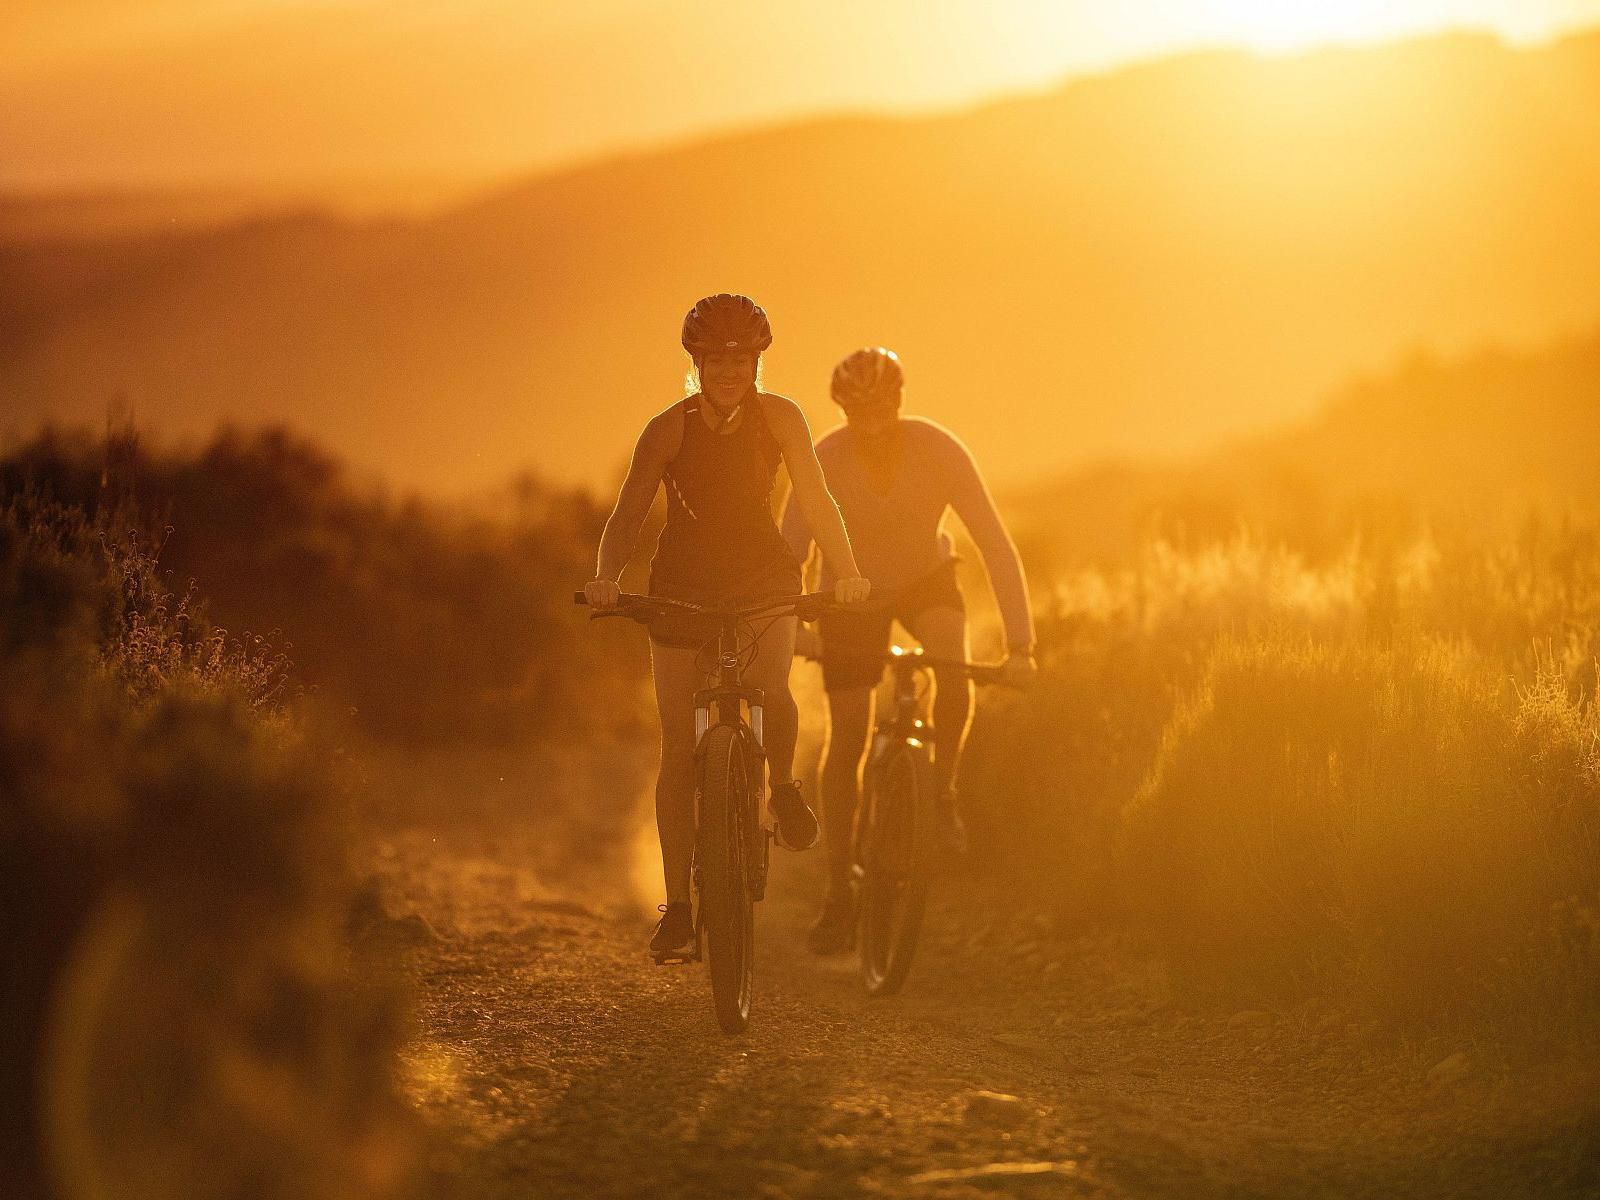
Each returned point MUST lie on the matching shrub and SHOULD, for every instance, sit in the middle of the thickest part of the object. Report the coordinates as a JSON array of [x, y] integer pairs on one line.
[[1372, 821], [180, 1015], [438, 642], [1047, 776], [424, 625]]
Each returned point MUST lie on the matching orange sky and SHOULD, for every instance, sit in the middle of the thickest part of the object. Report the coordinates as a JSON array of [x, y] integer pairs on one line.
[[112, 92]]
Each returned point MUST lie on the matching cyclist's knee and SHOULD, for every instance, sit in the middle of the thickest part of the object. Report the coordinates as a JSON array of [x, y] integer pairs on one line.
[[847, 741], [776, 699], [842, 759], [781, 700], [849, 714]]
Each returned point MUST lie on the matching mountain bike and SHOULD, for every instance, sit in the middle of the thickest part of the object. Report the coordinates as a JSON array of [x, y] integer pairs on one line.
[[732, 845], [894, 840]]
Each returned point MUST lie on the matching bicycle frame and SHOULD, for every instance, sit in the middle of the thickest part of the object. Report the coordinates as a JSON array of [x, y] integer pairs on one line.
[[728, 694], [890, 848], [729, 691], [907, 723], [723, 705]]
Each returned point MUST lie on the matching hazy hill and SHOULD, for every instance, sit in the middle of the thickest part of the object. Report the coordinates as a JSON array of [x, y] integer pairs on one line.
[[105, 214], [1485, 440], [1142, 262]]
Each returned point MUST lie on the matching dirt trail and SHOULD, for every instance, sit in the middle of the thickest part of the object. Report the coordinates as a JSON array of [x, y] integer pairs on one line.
[[551, 1059]]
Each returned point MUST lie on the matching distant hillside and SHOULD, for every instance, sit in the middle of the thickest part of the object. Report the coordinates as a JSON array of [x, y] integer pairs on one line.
[[54, 216], [1145, 262], [1490, 430], [91, 216], [1490, 437]]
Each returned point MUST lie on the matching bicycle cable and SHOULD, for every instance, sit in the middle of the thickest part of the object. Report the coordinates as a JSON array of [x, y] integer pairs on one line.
[[746, 635], [747, 652], [754, 645]]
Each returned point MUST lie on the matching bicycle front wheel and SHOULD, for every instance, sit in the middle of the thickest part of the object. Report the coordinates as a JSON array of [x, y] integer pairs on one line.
[[895, 848], [726, 838]]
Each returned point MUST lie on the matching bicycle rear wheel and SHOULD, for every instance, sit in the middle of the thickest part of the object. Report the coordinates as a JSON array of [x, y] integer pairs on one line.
[[725, 844], [895, 848]]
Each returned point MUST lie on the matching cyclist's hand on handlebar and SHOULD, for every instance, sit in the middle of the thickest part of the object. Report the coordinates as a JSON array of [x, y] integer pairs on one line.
[[851, 591], [602, 594], [1019, 669]]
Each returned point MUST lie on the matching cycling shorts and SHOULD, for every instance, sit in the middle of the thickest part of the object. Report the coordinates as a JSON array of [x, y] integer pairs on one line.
[[854, 641]]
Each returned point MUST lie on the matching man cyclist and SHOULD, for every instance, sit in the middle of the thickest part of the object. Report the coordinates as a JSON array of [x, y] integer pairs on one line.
[[895, 478]]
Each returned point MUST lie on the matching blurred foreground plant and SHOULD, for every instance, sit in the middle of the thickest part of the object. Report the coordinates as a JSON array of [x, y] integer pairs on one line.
[[181, 1010]]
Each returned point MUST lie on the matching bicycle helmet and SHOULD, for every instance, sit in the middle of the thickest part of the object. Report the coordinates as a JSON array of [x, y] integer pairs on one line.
[[869, 376], [726, 322]]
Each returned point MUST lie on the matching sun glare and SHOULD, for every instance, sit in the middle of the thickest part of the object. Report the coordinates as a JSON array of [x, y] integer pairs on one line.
[[1284, 25], [1292, 24]]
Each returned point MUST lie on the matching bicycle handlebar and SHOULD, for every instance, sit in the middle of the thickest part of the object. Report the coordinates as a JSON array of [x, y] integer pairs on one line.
[[807, 605]]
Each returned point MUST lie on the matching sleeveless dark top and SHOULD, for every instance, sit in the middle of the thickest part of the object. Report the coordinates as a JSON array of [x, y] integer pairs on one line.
[[720, 539]]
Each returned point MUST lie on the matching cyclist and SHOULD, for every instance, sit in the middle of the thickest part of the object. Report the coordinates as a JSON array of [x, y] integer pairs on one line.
[[717, 452], [895, 477]]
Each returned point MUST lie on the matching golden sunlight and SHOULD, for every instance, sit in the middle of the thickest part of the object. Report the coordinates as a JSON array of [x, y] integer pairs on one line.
[[1290, 24], [1186, 411], [1285, 25]]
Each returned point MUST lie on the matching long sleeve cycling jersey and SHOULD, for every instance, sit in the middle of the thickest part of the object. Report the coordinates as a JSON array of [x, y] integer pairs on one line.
[[896, 526]]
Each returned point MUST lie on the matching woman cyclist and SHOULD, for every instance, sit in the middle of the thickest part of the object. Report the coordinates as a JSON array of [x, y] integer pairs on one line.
[[717, 452]]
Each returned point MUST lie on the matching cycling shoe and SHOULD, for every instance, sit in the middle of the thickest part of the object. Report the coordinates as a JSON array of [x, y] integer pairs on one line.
[[797, 824], [675, 930]]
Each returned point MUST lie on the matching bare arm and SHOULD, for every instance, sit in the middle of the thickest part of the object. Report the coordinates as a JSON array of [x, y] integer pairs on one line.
[[795, 530], [975, 506], [798, 535], [810, 496], [657, 444]]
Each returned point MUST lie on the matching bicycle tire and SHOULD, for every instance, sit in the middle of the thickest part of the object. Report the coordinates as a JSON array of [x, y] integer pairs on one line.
[[725, 841], [895, 848]]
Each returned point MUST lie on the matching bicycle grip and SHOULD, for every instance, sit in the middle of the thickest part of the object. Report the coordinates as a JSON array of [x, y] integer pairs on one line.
[[579, 598]]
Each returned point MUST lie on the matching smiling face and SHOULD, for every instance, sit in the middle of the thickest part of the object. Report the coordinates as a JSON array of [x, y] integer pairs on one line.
[[727, 377]]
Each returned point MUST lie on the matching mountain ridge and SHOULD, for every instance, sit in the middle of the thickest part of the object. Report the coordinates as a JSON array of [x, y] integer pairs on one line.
[[1150, 259]]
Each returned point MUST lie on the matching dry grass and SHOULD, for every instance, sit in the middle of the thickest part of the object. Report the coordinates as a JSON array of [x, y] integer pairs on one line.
[[1376, 777]]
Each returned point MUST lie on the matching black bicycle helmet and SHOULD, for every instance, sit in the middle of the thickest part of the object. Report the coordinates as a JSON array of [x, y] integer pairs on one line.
[[868, 376], [726, 322]]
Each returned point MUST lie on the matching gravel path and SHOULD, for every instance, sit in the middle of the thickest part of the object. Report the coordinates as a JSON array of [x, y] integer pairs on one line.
[[551, 1059]]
